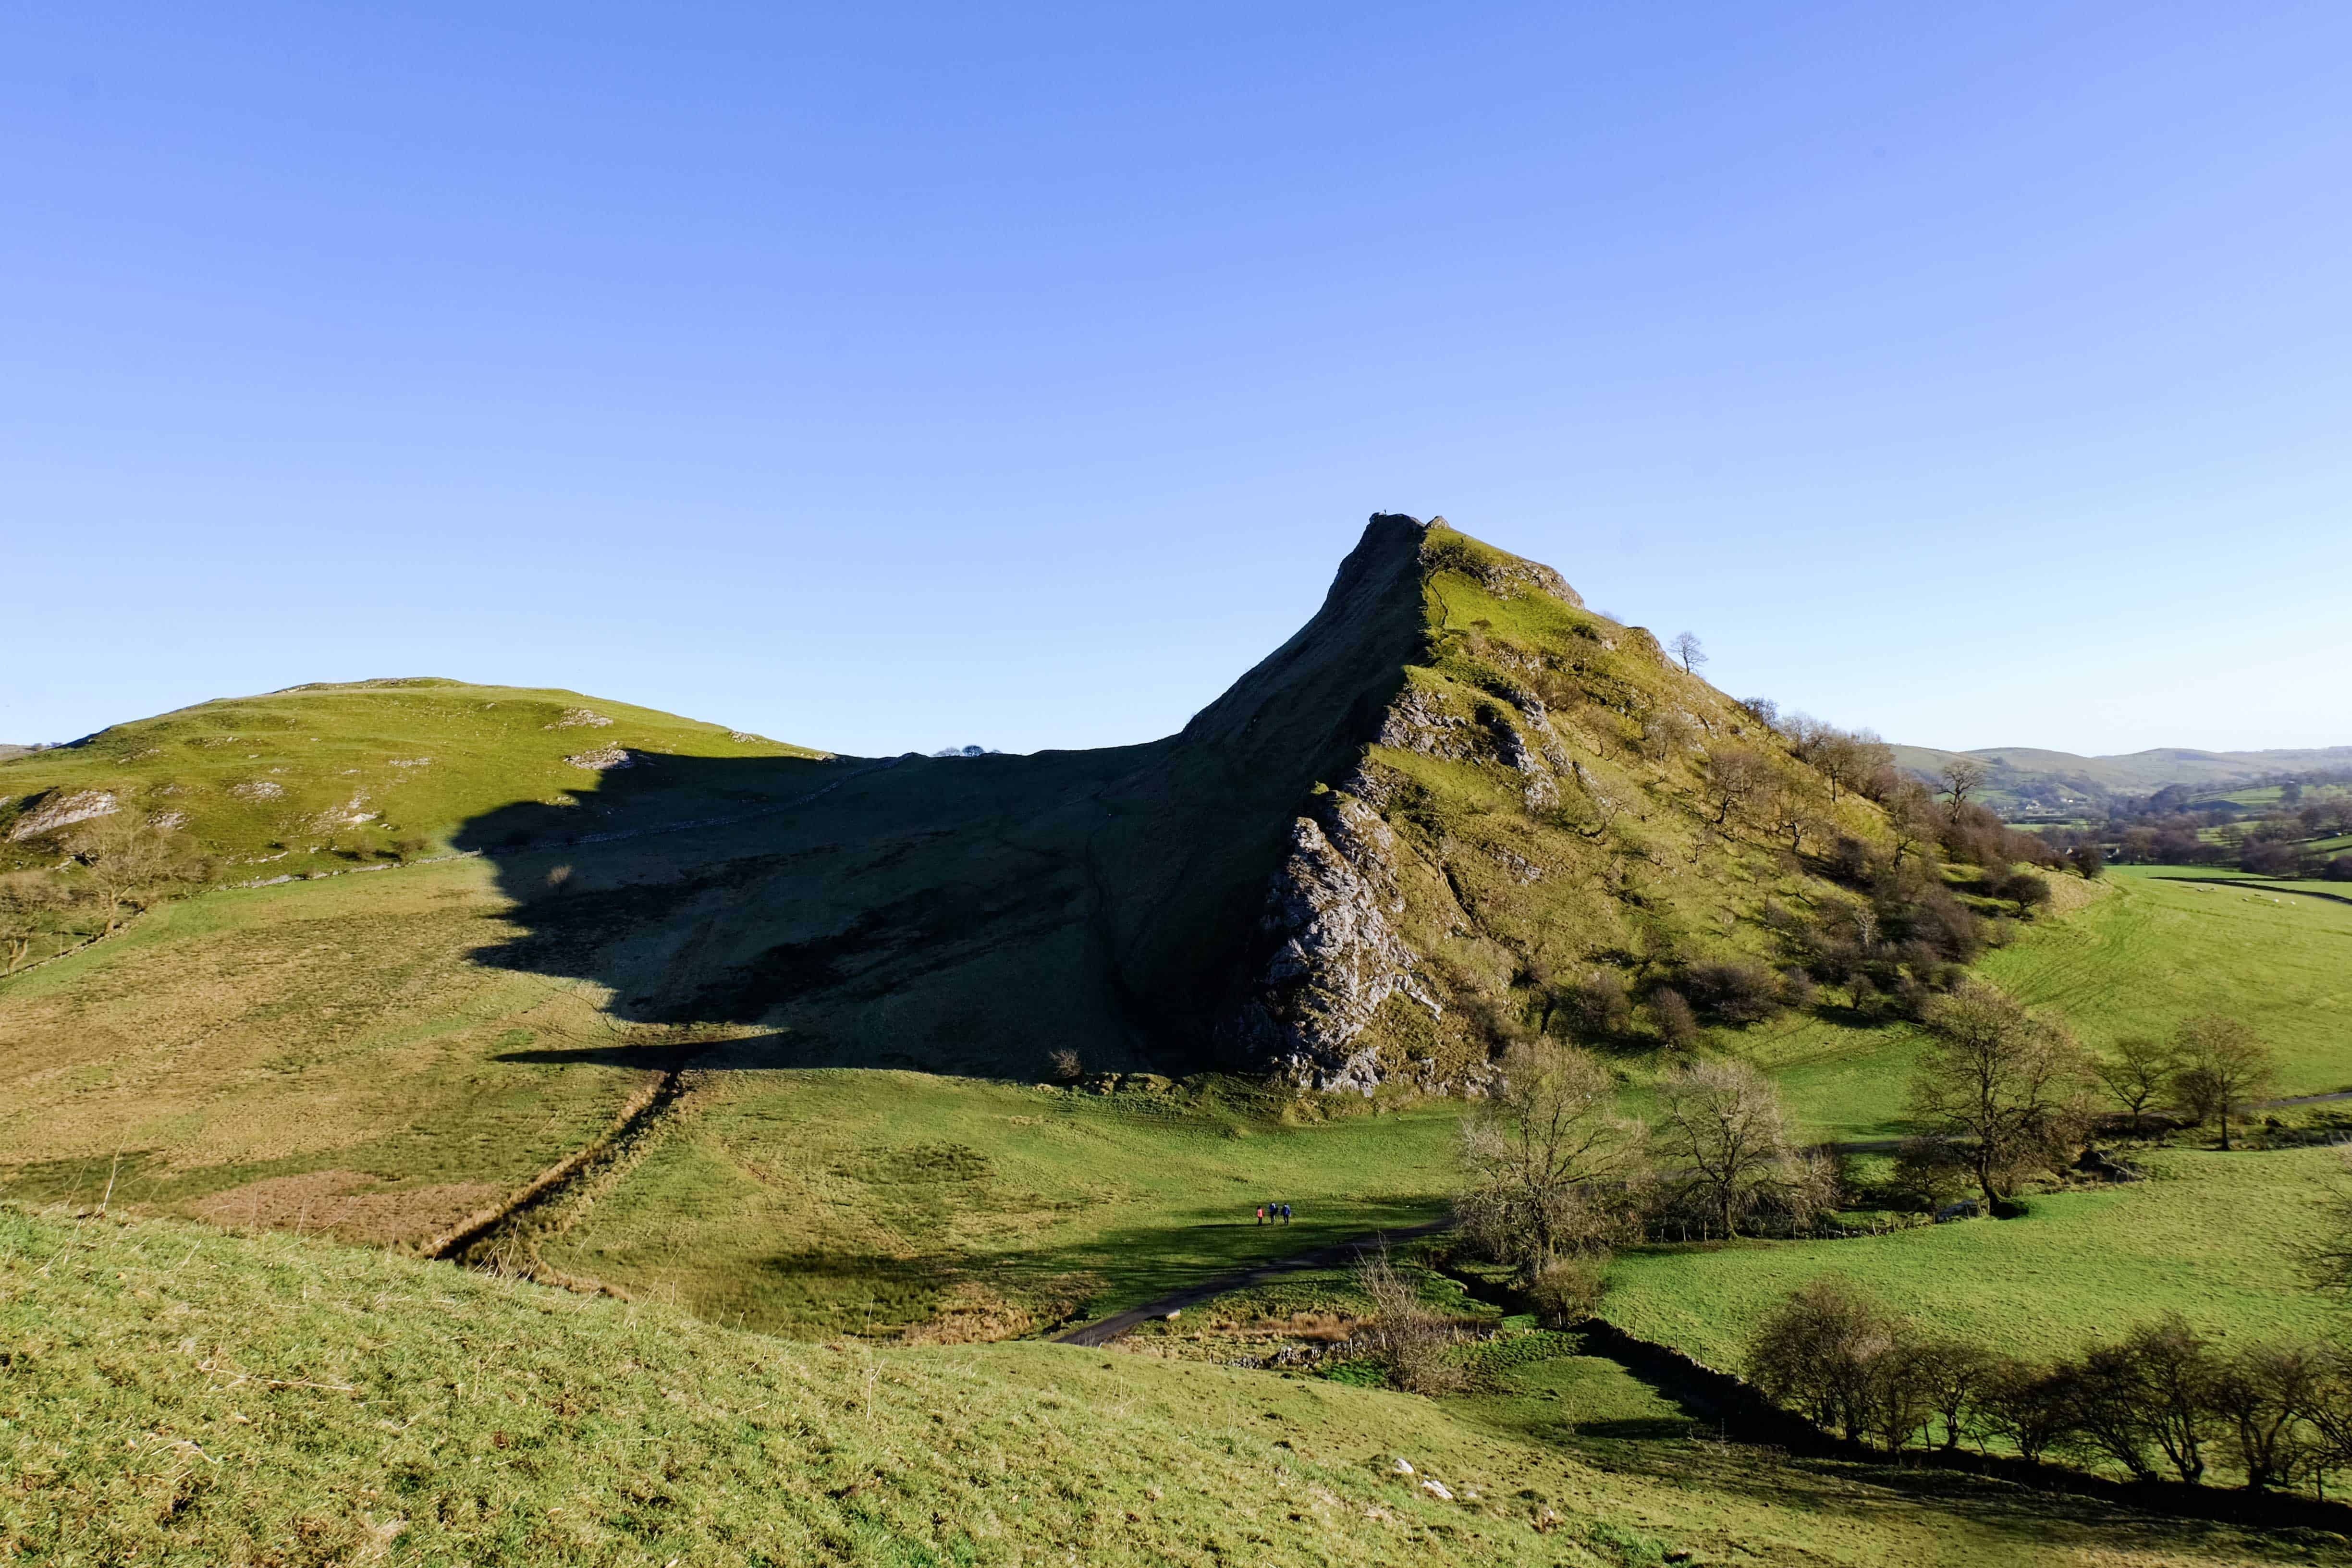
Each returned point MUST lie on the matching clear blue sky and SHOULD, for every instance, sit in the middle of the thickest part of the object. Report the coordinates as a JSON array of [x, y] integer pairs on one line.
[[888, 376]]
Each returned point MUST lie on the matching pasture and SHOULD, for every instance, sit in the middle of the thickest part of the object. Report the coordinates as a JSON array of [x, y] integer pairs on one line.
[[2212, 1237], [176, 1393]]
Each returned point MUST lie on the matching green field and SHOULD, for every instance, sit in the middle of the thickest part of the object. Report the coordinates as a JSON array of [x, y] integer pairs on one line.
[[175, 1393], [2158, 945], [839, 1201], [2210, 1236]]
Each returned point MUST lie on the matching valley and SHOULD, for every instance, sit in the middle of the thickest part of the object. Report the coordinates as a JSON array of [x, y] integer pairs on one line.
[[578, 1080]]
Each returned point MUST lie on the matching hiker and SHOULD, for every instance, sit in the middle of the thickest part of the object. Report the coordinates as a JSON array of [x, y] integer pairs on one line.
[[1285, 1214], [1261, 1214]]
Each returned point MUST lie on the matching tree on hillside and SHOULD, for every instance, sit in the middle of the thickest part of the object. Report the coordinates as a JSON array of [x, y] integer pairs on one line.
[[1735, 776], [1822, 1351], [1960, 777], [1723, 1139], [1793, 805], [1550, 1160], [27, 901], [1685, 647], [2223, 1064], [129, 859], [2002, 1079], [1911, 819], [2139, 1072]]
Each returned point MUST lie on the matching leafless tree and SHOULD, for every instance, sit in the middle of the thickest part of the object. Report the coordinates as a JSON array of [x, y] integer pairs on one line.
[[1735, 776], [2265, 1396], [1685, 647], [130, 858], [2223, 1064], [2139, 1072], [2002, 1079], [1413, 1339], [1961, 776], [1794, 806], [1550, 1159], [1722, 1136], [27, 900]]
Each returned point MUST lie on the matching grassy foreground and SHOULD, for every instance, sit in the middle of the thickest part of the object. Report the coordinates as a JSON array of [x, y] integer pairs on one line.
[[173, 1393]]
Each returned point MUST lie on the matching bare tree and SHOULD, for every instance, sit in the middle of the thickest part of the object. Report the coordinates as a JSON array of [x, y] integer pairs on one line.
[[2139, 1072], [1820, 1351], [1961, 775], [1413, 1339], [129, 859], [1794, 806], [1685, 647], [2265, 1394], [1735, 776], [2327, 1254], [1723, 1138], [2223, 1064], [1550, 1159], [2006, 1082], [27, 899]]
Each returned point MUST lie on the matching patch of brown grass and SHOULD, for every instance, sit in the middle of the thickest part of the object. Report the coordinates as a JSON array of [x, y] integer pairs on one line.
[[347, 1205]]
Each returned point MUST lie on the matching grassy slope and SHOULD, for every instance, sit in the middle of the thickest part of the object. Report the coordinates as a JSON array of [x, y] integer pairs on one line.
[[176, 1394], [843, 1201], [279, 779], [2149, 951], [2210, 1236]]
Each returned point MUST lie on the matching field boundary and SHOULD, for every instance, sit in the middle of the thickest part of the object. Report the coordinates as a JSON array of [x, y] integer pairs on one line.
[[1104, 1331]]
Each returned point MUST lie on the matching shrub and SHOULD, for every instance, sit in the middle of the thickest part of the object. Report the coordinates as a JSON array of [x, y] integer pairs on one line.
[[1678, 1025], [1412, 1343], [1569, 1290], [1736, 991]]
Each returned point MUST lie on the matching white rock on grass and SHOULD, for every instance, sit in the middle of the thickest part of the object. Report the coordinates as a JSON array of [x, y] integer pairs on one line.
[[1401, 1467], [1437, 1490], [79, 806]]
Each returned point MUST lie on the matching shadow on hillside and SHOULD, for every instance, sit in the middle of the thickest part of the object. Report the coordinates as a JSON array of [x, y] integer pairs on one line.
[[713, 891], [980, 914]]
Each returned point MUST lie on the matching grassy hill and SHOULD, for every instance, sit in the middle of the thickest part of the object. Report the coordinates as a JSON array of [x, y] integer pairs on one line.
[[1352, 867], [325, 777], [2026, 777], [176, 1394]]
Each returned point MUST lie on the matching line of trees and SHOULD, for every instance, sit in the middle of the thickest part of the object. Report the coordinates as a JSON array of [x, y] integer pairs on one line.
[[2162, 1400], [1558, 1176]]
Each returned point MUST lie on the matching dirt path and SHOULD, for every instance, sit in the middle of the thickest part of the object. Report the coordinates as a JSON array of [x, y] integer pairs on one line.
[[1323, 1257]]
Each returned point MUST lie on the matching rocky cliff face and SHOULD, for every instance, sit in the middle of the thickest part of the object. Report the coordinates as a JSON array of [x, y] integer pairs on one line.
[[1532, 798], [1337, 954]]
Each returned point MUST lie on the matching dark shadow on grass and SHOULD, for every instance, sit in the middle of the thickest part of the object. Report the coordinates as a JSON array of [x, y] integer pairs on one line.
[[968, 914]]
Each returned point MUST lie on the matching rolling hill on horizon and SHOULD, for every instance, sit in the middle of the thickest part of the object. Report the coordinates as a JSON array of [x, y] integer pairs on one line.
[[2026, 777]]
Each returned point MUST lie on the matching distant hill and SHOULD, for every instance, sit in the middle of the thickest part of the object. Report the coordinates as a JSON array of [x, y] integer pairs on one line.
[[7, 751], [2025, 777]]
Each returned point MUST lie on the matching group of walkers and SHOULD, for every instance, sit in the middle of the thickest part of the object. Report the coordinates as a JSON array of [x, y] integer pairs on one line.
[[1274, 1213]]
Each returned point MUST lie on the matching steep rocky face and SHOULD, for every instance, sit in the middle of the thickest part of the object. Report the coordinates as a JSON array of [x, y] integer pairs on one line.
[[1337, 956], [1533, 798]]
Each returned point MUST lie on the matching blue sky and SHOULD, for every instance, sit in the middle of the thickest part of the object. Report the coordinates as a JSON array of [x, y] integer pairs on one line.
[[886, 377]]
